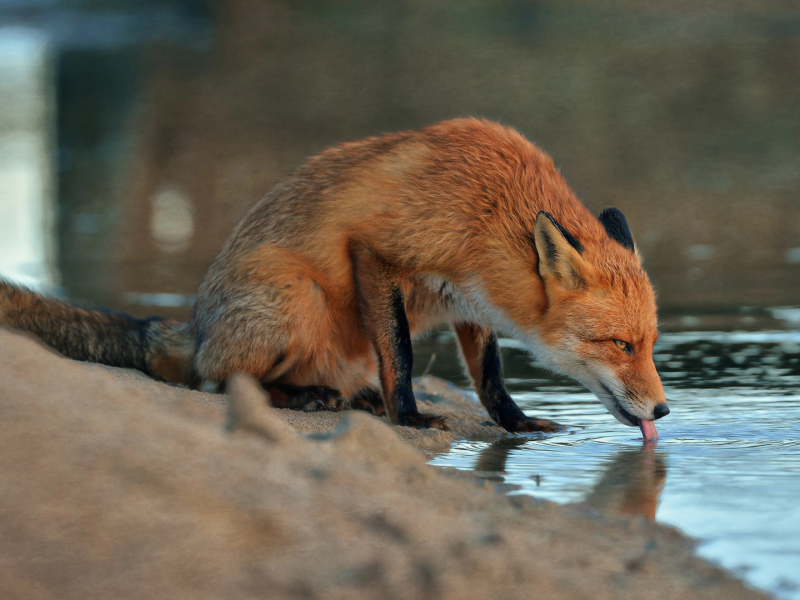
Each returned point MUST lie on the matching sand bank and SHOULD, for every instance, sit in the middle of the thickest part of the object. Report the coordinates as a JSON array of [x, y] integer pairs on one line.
[[116, 486]]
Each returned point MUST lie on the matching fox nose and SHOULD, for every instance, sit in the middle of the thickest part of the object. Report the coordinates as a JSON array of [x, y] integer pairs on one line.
[[661, 410]]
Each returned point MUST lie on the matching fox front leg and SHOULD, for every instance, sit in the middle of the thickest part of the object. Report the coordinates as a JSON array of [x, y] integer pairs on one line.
[[384, 318], [482, 356]]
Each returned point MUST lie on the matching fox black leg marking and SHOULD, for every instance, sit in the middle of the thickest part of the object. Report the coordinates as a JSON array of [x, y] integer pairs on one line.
[[305, 397], [384, 317], [370, 400], [482, 355]]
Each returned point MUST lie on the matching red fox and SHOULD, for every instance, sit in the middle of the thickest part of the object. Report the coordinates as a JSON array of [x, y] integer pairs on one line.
[[323, 284]]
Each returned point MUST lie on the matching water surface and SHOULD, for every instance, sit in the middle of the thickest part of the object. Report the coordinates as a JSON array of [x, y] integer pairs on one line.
[[727, 467]]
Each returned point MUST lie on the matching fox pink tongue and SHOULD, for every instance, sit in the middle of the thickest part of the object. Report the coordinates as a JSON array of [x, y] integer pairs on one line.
[[648, 430]]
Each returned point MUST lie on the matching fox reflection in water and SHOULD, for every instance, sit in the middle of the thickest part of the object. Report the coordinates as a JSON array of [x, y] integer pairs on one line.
[[630, 485]]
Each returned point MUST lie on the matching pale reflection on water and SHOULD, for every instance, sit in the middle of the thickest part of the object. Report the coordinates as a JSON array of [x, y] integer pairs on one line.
[[727, 467], [27, 225], [630, 484]]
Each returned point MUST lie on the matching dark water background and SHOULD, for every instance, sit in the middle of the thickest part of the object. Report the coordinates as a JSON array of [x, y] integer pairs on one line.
[[172, 117], [726, 469]]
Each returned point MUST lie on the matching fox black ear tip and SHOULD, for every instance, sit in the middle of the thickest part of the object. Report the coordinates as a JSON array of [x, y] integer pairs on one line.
[[616, 226], [612, 212], [571, 240], [548, 217]]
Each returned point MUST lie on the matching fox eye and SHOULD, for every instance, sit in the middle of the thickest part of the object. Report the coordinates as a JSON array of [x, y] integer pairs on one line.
[[624, 346]]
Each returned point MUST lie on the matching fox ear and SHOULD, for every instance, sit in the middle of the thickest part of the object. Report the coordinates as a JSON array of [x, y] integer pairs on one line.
[[559, 253], [616, 226]]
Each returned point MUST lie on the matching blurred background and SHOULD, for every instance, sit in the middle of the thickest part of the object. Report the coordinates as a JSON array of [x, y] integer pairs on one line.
[[135, 133]]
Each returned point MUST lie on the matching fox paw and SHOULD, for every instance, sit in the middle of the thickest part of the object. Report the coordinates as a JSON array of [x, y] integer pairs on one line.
[[423, 421], [320, 397], [369, 400], [531, 424], [308, 398], [334, 403]]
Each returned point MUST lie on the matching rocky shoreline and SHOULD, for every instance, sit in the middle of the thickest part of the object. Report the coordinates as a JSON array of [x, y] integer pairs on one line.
[[116, 486]]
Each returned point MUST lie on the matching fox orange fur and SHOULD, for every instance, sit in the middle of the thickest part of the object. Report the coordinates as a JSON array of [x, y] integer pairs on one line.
[[324, 282]]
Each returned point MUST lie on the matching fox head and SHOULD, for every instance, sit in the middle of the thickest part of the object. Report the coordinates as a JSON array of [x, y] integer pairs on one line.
[[599, 325]]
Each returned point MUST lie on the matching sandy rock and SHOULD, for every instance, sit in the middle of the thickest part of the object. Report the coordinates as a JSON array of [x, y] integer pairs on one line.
[[249, 410], [114, 486], [372, 441]]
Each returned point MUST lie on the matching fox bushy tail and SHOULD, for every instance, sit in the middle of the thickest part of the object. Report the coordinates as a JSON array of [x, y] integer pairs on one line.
[[161, 348]]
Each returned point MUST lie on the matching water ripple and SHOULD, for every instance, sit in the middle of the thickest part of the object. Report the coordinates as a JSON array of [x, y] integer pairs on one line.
[[727, 467]]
